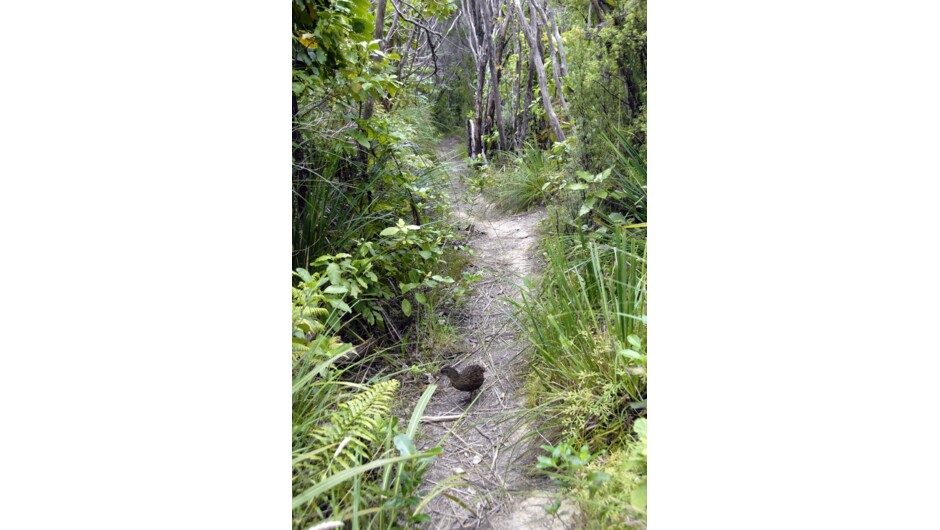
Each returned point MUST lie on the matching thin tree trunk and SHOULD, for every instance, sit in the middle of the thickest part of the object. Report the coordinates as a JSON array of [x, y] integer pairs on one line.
[[477, 40], [369, 107], [561, 46], [478, 109], [523, 128], [536, 59], [515, 98], [556, 70], [377, 34], [496, 52]]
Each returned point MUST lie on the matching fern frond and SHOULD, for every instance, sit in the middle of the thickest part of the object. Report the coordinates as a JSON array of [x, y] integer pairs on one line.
[[357, 419]]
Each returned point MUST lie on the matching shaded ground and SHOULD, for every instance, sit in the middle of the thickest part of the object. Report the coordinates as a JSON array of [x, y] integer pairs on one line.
[[484, 443]]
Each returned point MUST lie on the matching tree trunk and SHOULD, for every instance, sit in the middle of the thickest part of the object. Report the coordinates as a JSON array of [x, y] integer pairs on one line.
[[478, 109], [523, 127], [477, 40], [497, 45], [536, 59], [377, 34], [561, 47], [556, 70], [515, 100]]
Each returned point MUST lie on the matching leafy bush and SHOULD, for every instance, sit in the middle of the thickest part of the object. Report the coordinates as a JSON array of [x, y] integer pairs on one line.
[[607, 78], [610, 488], [612, 491], [407, 256]]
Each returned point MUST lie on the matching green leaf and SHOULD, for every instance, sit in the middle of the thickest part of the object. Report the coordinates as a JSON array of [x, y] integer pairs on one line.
[[634, 340], [639, 427], [630, 354], [337, 479], [390, 231], [336, 289], [638, 497], [425, 254], [405, 445], [598, 477], [587, 206], [421, 298], [341, 305], [304, 275], [406, 307], [332, 271], [419, 409], [576, 186]]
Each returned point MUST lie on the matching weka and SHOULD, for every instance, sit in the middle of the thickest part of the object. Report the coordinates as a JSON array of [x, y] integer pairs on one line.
[[470, 380]]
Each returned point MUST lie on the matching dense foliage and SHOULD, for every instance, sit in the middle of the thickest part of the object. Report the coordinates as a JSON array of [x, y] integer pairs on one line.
[[370, 251], [551, 98]]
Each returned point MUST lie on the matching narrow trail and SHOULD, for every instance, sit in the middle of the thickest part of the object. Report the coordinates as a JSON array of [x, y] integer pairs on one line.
[[486, 443]]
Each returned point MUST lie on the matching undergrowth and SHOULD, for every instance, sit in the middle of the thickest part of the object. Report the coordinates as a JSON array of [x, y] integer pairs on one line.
[[376, 264], [352, 461], [586, 320]]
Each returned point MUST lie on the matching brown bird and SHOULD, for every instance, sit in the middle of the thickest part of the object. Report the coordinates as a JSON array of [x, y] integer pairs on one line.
[[470, 380]]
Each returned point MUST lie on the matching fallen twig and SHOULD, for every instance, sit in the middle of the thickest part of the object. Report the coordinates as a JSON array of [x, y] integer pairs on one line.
[[439, 419]]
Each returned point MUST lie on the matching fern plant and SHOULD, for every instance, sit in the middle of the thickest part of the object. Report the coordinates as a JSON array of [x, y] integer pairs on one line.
[[351, 462], [354, 428]]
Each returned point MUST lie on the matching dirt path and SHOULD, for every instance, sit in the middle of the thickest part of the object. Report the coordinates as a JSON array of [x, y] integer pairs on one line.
[[485, 442]]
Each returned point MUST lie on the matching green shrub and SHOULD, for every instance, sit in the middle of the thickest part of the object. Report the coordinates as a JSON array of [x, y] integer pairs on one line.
[[610, 488]]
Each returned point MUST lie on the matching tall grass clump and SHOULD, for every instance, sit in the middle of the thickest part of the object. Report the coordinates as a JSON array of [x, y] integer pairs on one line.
[[629, 174], [521, 185], [587, 326], [331, 209], [586, 321]]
